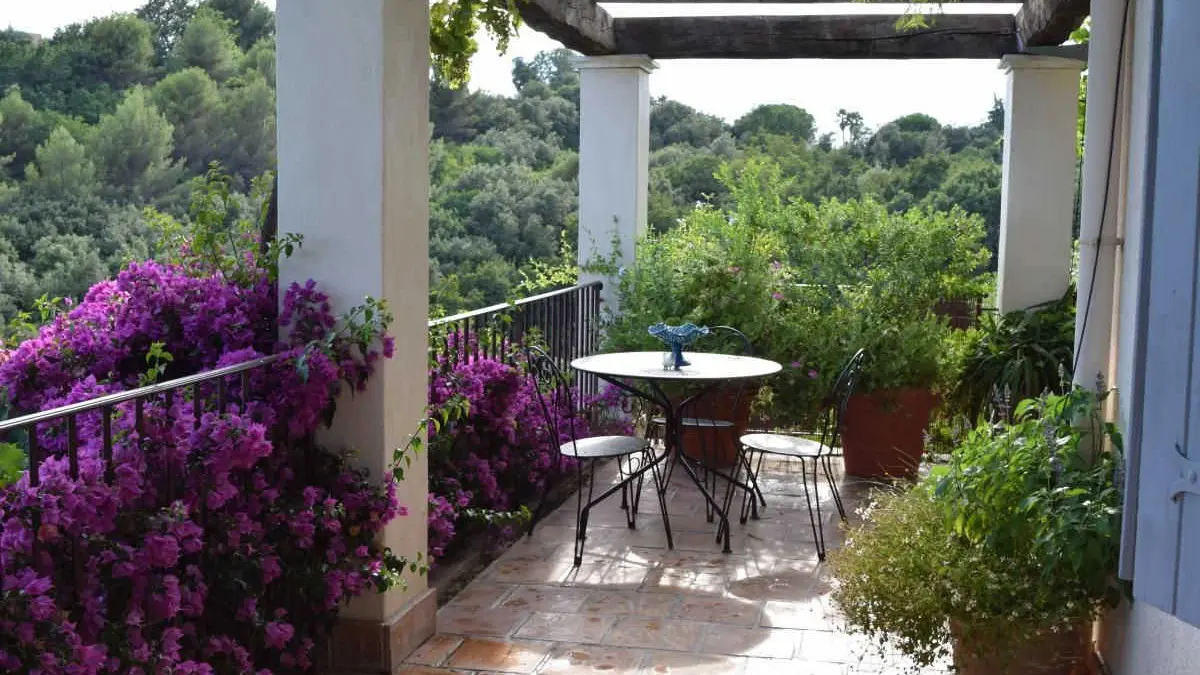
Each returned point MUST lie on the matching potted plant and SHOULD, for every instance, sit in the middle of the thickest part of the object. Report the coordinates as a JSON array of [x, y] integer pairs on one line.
[[1003, 560], [886, 419]]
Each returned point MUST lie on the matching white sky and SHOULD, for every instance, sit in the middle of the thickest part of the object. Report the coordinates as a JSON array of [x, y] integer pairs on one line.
[[957, 92]]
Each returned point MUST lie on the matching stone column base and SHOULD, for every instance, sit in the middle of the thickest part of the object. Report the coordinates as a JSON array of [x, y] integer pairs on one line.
[[363, 647]]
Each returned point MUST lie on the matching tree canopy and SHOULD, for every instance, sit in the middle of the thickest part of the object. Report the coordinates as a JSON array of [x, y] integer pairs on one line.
[[105, 119]]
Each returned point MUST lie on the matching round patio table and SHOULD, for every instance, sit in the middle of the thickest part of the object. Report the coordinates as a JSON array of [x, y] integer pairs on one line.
[[623, 369]]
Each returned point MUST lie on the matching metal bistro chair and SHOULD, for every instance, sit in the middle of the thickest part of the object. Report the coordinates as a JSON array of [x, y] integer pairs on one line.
[[709, 414], [820, 452], [557, 401]]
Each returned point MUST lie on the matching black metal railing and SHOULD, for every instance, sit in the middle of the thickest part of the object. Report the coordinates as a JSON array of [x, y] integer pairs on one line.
[[216, 390], [566, 323]]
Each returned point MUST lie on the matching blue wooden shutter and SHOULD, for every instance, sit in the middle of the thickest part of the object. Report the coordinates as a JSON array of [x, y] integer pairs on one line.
[[1167, 564]]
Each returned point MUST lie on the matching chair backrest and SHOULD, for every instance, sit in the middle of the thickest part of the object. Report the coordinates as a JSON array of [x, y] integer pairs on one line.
[[839, 398], [555, 396], [725, 400], [727, 340]]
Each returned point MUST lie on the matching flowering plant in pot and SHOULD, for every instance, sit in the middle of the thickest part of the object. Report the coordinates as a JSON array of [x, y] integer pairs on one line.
[[1003, 560], [909, 262]]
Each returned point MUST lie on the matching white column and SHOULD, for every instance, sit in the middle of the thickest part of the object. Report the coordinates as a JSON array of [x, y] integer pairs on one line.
[[614, 163], [354, 181], [1038, 191]]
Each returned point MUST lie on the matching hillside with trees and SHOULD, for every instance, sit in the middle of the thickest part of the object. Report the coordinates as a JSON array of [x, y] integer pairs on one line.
[[105, 126]]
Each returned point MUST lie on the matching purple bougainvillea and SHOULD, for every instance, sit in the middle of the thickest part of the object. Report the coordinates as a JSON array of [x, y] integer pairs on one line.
[[500, 455], [218, 543]]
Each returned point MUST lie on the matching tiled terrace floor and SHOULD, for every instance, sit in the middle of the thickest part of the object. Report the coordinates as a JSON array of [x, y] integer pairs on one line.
[[636, 608]]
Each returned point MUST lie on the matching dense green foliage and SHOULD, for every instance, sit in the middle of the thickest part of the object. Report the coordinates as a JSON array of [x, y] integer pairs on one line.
[[809, 284], [1019, 536], [101, 120], [1016, 356], [504, 171], [104, 119]]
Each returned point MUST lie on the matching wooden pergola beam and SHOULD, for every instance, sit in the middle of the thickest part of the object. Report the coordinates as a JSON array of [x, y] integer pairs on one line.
[[950, 36], [1042, 23], [581, 25], [896, 3]]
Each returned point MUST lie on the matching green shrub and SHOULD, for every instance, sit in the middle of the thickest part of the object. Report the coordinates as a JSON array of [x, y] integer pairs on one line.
[[808, 284], [1018, 536], [1017, 356]]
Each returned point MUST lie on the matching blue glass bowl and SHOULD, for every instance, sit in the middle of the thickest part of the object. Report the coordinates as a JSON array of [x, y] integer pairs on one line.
[[677, 337]]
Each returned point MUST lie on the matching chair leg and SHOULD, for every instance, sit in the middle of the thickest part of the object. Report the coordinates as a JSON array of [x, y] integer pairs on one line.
[[582, 510], [749, 498], [661, 491], [757, 470], [827, 463], [813, 521], [641, 480], [630, 491], [817, 500]]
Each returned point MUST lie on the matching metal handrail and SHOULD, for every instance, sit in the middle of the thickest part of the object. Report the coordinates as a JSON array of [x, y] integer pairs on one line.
[[433, 323], [109, 400]]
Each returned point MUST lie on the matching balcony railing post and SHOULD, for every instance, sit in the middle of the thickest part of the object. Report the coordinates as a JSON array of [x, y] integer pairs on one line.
[[564, 320]]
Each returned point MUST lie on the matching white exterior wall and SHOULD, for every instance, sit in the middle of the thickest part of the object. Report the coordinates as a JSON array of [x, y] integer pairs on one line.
[[1137, 638]]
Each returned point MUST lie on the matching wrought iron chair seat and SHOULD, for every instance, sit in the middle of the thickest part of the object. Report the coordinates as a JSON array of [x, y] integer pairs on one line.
[[785, 444], [604, 446], [633, 456], [819, 452]]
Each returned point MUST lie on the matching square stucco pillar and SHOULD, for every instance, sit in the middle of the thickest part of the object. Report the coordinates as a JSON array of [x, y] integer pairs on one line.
[[1038, 185], [353, 125], [614, 163]]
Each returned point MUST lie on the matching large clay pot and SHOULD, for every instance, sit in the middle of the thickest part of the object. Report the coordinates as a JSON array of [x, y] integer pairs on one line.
[[883, 435], [717, 447], [1062, 653]]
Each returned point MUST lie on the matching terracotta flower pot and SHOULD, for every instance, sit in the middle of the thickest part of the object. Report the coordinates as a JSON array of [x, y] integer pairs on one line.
[[883, 435], [1062, 653]]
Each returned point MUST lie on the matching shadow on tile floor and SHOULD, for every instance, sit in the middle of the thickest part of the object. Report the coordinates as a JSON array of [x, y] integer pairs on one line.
[[636, 608]]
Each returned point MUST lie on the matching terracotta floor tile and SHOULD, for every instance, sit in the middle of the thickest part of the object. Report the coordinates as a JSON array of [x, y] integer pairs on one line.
[[435, 650], [790, 667], [719, 610], [629, 603], [494, 622], [762, 610], [590, 573], [627, 574], [581, 659], [428, 670], [525, 572], [814, 614], [509, 656], [578, 628], [771, 643], [656, 633], [834, 647], [682, 663], [546, 598], [479, 595]]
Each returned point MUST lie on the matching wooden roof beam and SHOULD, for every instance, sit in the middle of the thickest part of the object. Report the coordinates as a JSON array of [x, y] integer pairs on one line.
[[951, 36], [1042, 23], [896, 3], [581, 25]]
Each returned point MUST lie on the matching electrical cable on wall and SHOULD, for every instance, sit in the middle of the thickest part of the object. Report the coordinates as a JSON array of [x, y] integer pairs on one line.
[[1112, 146]]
